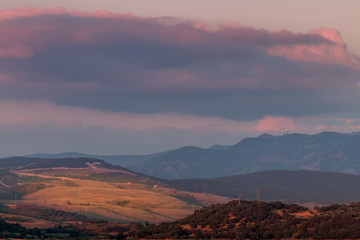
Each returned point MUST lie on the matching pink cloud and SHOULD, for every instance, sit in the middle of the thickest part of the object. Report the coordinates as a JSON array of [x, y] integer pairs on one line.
[[26, 11], [309, 125], [39, 36], [16, 52], [310, 47], [23, 42], [176, 31], [10, 14], [348, 121], [331, 34], [275, 124], [334, 52], [225, 57]]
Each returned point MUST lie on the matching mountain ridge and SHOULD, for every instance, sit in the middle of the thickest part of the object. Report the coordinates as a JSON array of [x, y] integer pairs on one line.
[[326, 151]]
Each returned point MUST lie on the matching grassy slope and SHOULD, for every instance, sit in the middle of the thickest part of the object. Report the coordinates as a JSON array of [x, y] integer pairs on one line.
[[96, 189], [114, 198], [113, 201]]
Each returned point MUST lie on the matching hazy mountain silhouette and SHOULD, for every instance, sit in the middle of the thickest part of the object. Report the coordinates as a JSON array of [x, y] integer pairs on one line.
[[327, 151]]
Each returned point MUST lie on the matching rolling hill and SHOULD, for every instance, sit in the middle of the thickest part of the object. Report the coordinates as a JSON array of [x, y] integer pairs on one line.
[[94, 188]]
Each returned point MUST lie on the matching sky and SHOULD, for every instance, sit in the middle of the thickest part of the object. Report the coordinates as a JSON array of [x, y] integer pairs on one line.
[[137, 77]]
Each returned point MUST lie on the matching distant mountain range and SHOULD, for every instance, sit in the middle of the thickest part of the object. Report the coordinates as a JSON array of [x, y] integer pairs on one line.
[[326, 151]]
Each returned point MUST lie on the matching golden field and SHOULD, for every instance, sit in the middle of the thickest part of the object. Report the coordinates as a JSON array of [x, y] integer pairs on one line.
[[121, 202]]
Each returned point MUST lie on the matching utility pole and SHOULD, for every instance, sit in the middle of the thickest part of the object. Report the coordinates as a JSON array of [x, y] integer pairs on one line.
[[239, 201], [15, 200], [204, 187], [258, 194]]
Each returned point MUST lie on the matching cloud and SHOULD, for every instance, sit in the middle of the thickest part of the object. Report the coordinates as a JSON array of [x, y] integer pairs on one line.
[[42, 112], [42, 126], [103, 28], [335, 53], [10, 14], [275, 124], [16, 52], [124, 63], [29, 113]]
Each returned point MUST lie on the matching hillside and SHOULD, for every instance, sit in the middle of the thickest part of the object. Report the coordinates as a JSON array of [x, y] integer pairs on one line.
[[96, 189], [31, 216], [261, 220], [327, 151], [287, 186]]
